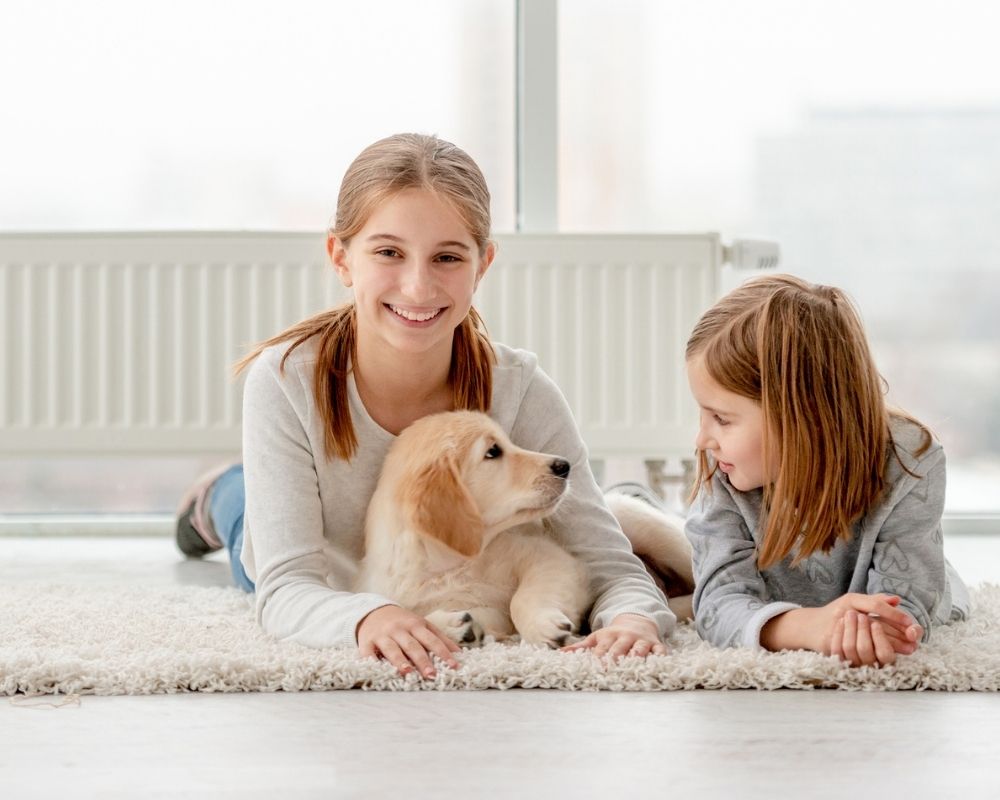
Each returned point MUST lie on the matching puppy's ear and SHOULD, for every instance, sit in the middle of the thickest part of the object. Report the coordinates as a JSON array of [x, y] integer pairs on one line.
[[437, 504]]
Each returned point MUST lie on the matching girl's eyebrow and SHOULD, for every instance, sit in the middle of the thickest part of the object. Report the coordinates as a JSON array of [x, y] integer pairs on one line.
[[721, 413], [391, 238]]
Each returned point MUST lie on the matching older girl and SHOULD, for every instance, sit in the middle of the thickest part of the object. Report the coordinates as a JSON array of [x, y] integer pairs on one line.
[[324, 400]]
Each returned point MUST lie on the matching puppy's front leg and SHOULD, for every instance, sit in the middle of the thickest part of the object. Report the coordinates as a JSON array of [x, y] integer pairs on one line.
[[470, 626], [551, 597]]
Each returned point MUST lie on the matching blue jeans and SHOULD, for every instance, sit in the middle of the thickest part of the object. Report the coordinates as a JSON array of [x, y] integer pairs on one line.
[[226, 503]]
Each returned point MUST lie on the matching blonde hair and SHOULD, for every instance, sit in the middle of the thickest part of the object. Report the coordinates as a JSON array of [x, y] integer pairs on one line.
[[380, 172], [799, 350]]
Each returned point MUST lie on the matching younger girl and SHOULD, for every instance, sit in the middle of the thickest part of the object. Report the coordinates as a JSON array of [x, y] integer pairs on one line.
[[818, 524], [324, 400]]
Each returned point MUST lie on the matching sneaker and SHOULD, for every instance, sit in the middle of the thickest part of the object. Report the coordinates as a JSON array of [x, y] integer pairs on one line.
[[196, 535], [637, 490]]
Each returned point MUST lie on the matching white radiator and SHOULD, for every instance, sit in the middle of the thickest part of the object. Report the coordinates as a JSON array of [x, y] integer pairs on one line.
[[123, 343]]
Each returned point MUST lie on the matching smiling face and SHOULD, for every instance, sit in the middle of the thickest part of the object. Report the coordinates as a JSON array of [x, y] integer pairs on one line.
[[414, 267], [731, 429]]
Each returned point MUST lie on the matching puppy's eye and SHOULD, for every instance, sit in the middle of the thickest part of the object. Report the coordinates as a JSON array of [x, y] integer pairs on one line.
[[494, 452]]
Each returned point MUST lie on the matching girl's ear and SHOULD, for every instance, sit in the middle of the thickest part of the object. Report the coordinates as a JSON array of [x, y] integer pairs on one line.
[[337, 252], [437, 504], [488, 256]]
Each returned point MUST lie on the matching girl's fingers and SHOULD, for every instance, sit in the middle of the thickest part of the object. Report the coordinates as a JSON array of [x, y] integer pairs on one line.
[[615, 648], [417, 655], [865, 645], [394, 655], [911, 631], [837, 639], [895, 639], [641, 648], [884, 651], [851, 637], [884, 606], [602, 646], [866, 641], [899, 626], [436, 644], [584, 644], [620, 646], [613, 644]]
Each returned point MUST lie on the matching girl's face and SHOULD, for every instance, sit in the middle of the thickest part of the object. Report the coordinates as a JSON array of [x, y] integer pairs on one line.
[[731, 429], [414, 267]]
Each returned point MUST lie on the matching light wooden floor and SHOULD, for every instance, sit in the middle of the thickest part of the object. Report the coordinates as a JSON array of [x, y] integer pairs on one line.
[[523, 744]]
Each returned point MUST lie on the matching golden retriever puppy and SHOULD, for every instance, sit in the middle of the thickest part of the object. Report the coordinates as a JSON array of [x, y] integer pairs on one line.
[[657, 537], [453, 533]]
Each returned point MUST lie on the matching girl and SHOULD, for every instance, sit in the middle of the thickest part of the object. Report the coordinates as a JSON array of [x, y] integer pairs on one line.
[[819, 522], [324, 400]]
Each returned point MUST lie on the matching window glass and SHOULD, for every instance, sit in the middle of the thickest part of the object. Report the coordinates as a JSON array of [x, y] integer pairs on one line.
[[119, 115], [226, 115], [864, 137]]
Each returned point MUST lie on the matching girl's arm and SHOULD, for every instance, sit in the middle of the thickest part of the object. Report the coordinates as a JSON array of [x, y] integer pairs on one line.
[[582, 522], [733, 605], [297, 592], [907, 582], [908, 555], [731, 599], [860, 628]]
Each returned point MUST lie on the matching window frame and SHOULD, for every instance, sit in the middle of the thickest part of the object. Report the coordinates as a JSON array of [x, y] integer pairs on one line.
[[536, 165]]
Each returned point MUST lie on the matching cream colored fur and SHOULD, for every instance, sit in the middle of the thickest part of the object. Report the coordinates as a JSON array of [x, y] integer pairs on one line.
[[455, 535]]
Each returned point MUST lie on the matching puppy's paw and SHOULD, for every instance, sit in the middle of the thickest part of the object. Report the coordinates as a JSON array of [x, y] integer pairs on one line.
[[459, 626], [549, 626]]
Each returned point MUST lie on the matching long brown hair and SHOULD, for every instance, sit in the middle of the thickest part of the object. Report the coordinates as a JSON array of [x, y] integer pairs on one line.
[[380, 172], [799, 350]]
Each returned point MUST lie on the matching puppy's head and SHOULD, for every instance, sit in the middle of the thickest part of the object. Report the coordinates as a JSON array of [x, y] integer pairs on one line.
[[460, 480]]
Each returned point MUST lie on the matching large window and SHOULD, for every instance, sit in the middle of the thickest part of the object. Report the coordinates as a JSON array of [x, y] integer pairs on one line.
[[222, 115], [864, 137], [123, 115]]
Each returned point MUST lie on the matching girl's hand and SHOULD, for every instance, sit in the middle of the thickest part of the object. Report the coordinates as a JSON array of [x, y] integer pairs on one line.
[[627, 635], [405, 640], [861, 641], [897, 626], [816, 628]]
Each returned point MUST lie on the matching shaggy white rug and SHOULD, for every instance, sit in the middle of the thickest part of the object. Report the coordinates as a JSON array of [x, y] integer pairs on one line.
[[133, 640]]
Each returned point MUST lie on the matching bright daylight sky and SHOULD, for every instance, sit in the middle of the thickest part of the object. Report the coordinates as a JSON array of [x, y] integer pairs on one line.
[[132, 114], [232, 113]]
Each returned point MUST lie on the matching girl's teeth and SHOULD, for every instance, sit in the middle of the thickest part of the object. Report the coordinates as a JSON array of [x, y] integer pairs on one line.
[[413, 316]]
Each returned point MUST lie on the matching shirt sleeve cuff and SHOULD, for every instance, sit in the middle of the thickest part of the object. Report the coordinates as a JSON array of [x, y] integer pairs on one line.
[[663, 619], [751, 633]]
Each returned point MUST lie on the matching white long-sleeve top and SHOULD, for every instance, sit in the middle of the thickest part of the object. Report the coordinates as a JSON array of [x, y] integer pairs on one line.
[[304, 518]]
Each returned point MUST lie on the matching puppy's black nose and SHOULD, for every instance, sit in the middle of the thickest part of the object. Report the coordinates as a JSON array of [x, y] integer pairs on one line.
[[560, 468]]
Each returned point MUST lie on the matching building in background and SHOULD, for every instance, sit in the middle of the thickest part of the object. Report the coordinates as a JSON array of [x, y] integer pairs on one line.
[[900, 207]]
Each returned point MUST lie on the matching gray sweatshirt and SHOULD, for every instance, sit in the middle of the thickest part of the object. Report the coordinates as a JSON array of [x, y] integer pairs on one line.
[[304, 520], [897, 548]]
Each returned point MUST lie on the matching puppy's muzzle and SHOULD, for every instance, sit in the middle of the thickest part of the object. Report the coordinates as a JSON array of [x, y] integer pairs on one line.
[[552, 484]]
